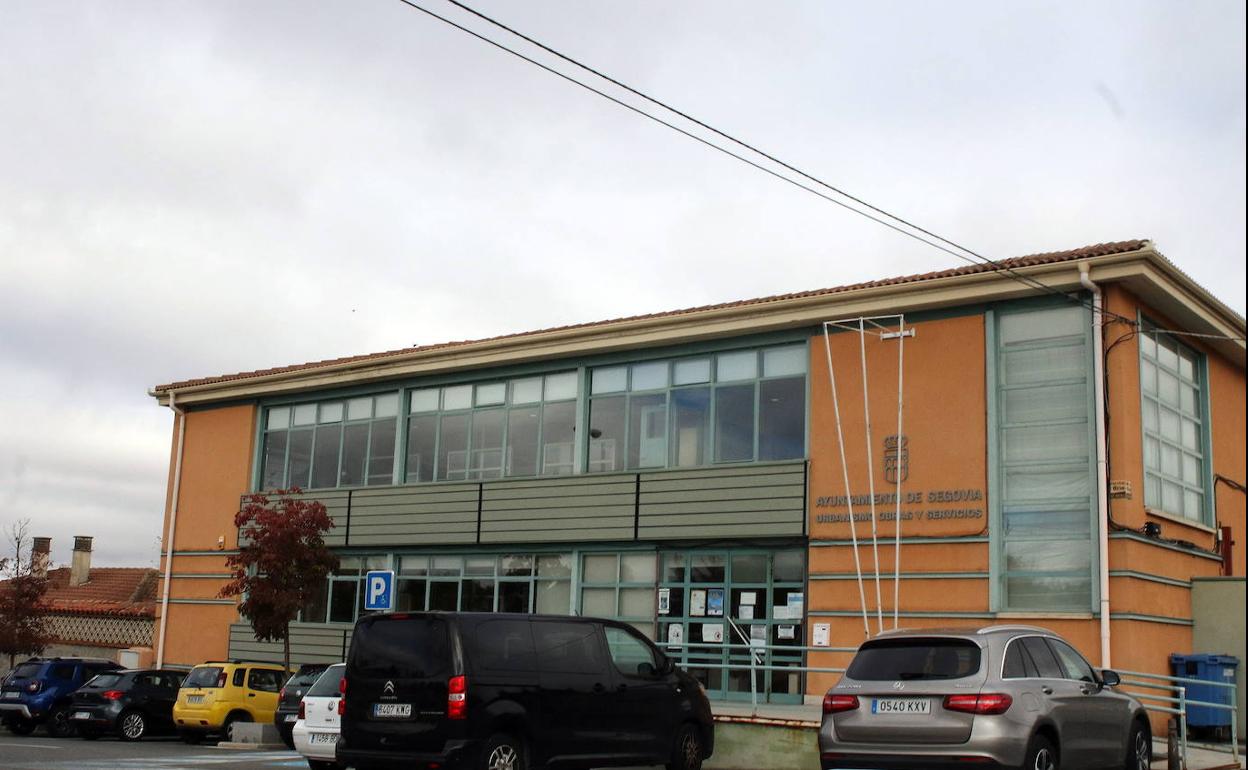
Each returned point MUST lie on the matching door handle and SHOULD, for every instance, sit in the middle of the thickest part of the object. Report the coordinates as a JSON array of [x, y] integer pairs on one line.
[[251, 695], [1085, 690], [1046, 690], [598, 687]]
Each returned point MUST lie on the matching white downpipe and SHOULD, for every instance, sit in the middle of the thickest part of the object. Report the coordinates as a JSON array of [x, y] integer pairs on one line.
[[866, 416], [901, 346], [1102, 462], [173, 524]]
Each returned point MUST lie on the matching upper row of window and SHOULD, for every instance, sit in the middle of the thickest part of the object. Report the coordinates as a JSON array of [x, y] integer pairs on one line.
[[736, 406]]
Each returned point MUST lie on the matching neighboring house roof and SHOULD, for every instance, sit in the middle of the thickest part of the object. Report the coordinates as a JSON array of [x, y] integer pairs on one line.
[[382, 359], [113, 591]]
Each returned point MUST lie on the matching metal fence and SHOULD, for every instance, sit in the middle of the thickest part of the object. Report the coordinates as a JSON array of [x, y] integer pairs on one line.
[[1174, 701]]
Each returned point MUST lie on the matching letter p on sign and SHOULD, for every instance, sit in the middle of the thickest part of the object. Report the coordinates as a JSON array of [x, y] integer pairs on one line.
[[379, 590]]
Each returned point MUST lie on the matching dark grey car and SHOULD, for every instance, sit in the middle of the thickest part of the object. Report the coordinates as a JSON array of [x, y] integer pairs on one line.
[[996, 697]]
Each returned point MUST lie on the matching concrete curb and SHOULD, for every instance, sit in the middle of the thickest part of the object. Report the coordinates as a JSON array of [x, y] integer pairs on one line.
[[236, 746]]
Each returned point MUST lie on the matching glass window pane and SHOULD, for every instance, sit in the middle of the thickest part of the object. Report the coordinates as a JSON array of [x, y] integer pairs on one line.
[[1168, 353], [458, 397], [381, 452], [1191, 435], [554, 597], [736, 366], [637, 602], [522, 427], [647, 431], [734, 423], [331, 412], [749, 568], [789, 566], [348, 565], [274, 460], [443, 596], [359, 409], [1048, 556], [598, 602], [1187, 365], [354, 448], [637, 568], [479, 565], [1170, 423], [387, 405], [1191, 470], [558, 444], [487, 444], [782, 362], [609, 380], [526, 391], [414, 565], [1047, 323], [649, 376], [674, 567], [560, 386], [491, 393], [325, 456], [342, 601], [691, 429], [606, 434], [1190, 400], [1045, 404], [1152, 490], [1039, 365], [1172, 498], [513, 596], [692, 371], [1152, 454], [1049, 593], [1040, 443], [300, 474], [1148, 377], [453, 448], [279, 417], [1192, 504], [422, 436], [600, 568], [707, 568], [516, 565], [305, 414], [425, 400], [1152, 417], [447, 565], [554, 565], [376, 561], [410, 596], [1148, 345], [478, 596], [782, 419], [1168, 389]]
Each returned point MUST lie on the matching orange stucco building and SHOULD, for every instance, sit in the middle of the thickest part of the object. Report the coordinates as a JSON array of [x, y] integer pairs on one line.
[[684, 470]]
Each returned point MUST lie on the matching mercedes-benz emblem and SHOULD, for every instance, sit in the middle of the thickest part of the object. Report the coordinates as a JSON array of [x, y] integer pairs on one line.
[[389, 688], [899, 685]]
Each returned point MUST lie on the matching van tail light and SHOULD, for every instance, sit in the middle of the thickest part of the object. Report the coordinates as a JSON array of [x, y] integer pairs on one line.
[[984, 703], [342, 697], [303, 714], [457, 698], [221, 679], [835, 704], [112, 694]]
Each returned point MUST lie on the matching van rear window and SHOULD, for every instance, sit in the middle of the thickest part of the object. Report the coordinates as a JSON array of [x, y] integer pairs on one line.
[[915, 659], [406, 648]]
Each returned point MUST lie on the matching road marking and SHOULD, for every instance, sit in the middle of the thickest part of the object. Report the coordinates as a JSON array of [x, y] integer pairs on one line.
[[24, 745]]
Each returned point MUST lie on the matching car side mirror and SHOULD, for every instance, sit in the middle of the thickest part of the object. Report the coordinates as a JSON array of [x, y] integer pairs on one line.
[[1110, 678], [647, 669]]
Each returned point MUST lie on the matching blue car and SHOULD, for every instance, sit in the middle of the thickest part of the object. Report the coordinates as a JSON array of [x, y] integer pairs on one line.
[[38, 691]]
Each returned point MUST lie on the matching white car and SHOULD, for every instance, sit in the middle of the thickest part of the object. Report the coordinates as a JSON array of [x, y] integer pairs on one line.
[[316, 730]]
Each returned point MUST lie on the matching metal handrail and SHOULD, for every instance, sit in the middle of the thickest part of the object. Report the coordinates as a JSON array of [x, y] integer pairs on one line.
[[1184, 702]]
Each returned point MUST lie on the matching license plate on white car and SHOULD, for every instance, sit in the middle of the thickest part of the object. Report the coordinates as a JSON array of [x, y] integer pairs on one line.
[[292, 717], [81, 715], [392, 710], [901, 706], [321, 737]]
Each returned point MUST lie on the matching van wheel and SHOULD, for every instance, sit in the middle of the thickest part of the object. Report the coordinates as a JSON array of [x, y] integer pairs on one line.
[[1041, 754], [502, 752], [687, 751], [1139, 748]]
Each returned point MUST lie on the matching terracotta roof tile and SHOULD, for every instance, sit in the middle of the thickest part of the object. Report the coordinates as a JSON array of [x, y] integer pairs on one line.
[[108, 591], [1084, 252]]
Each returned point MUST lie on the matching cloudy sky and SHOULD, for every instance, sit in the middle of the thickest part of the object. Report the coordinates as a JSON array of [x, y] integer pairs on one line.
[[194, 188]]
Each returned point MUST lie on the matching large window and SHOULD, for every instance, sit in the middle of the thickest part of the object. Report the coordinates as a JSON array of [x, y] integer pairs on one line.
[[1044, 483], [740, 406], [521, 427], [1175, 426], [345, 442]]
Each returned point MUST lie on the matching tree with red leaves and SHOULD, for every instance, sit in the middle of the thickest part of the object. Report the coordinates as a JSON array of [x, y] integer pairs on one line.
[[282, 561], [23, 617]]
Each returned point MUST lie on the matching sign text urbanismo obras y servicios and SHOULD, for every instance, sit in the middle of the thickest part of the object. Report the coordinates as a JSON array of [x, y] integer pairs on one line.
[[888, 501]]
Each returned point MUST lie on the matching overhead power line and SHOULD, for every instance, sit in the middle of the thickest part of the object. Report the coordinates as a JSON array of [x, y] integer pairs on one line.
[[937, 241]]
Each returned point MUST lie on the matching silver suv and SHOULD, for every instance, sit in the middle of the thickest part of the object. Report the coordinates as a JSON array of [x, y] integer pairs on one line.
[[996, 697]]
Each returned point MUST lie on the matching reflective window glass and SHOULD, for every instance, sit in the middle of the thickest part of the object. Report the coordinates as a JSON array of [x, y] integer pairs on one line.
[[560, 386], [736, 366], [457, 397], [691, 371], [609, 380], [526, 391], [425, 400], [649, 376]]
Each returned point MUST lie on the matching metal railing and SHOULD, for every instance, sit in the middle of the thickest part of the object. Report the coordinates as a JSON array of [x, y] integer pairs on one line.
[[1178, 685]]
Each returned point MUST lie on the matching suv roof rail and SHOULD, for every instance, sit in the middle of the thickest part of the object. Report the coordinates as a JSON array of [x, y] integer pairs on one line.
[[1013, 627]]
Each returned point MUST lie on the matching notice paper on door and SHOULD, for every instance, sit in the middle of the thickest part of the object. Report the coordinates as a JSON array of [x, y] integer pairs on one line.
[[697, 602], [713, 632]]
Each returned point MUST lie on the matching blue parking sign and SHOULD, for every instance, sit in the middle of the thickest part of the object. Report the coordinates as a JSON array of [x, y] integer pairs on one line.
[[379, 590]]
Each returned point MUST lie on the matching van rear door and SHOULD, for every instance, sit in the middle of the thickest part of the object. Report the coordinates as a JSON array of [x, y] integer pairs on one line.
[[397, 681]]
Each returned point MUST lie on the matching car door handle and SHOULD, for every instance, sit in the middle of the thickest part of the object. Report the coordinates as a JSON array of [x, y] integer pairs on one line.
[[1085, 690], [1046, 690], [251, 695], [598, 687]]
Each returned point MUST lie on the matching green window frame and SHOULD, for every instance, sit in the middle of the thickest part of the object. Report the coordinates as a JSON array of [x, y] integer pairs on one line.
[[1174, 403], [1041, 454], [619, 585], [342, 442], [732, 406]]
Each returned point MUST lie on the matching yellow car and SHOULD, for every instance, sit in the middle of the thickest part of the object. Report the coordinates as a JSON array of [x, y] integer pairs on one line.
[[216, 695]]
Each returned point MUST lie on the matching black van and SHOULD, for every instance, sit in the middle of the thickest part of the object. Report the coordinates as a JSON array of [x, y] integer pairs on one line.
[[488, 691]]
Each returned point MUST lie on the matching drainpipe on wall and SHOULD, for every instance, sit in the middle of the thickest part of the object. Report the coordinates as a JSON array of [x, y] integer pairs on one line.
[[173, 524], [1102, 462]]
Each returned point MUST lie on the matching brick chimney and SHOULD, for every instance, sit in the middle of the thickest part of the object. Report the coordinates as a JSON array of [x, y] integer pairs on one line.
[[80, 567], [40, 555]]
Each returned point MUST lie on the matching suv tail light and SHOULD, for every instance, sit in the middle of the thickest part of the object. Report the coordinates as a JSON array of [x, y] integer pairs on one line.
[[34, 686], [835, 704], [112, 694], [457, 698], [281, 695], [342, 697], [984, 703], [303, 714]]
